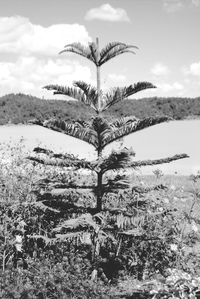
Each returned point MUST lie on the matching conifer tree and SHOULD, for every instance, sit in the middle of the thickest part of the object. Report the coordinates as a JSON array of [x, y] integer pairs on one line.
[[100, 132]]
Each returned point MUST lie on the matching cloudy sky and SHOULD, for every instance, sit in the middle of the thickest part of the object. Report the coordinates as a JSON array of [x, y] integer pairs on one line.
[[167, 33]]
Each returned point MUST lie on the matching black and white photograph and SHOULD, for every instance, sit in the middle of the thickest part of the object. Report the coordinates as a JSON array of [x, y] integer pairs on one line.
[[100, 149]]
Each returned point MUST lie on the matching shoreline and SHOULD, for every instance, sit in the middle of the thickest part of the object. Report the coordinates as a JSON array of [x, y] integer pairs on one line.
[[192, 118]]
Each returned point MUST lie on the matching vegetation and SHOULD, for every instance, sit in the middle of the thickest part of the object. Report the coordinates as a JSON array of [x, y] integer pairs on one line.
[[148, 264], [71, 228], [99, 132], [20, 108]]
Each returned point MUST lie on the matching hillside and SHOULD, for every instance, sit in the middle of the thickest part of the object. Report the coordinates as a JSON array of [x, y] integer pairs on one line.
[[20, 108]]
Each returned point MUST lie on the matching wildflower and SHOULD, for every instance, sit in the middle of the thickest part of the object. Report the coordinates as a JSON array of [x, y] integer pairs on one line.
[[172, 187], [195, 227], [166, 200], [183, 199], [173, 247], [160, 209]]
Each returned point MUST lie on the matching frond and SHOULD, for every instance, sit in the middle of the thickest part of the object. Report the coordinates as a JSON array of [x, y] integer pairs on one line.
[[119, 182], [78, 130], [116, 160], [72, 236], [118, 94], [122, 121], [123, 221], [141, 190], [130, 127], [136, 232], [110, 51], [114, 49], [90, 92], [46, 240], [51, 161], [78, 48], [101, 126], [67, 91], [83, 221], [84, 93], [109, 47], [93, 52], [158, 161]]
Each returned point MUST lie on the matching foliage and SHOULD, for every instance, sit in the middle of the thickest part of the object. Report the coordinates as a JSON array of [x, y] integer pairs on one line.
[[81, 234], [21, 108], [59, 247], [99, 132], [48, 277]]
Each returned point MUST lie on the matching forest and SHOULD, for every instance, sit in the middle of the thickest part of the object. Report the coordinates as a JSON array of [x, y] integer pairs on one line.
[[20, 108]]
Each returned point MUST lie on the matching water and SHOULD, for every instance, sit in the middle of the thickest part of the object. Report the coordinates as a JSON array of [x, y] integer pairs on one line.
[[159, 141]]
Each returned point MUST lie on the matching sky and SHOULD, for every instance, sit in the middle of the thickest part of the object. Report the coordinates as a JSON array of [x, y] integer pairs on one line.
[[166, 32]]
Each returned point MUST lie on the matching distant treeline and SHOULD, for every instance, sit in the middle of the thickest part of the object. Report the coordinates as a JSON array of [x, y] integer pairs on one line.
[[20, 108]]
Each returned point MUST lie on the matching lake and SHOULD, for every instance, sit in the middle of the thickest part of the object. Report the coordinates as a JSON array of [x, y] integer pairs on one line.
[[159, 141]]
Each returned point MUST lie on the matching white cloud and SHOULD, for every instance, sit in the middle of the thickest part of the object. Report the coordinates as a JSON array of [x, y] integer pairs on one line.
[[32, 54], [176, 5], [107, 13], [193, 69], [30, 74], [172, 5], [160, 69], [167, 87], [18, 35], [196, 2], [117, 78]]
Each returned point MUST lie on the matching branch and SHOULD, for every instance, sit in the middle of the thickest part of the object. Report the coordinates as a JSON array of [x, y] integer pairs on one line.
[[116, 160], [158, 161], [62, 163], [131, 126], [118, 94]]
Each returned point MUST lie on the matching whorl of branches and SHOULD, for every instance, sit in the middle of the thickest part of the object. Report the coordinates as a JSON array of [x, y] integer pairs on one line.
[[90, 52], [89, 95]]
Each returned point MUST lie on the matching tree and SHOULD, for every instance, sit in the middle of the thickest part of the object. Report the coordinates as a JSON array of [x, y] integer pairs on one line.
[[99, 132]]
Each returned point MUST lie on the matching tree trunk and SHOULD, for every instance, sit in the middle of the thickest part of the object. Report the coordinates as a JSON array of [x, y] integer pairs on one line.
[[99, 191], [98, 77], [99, 183]]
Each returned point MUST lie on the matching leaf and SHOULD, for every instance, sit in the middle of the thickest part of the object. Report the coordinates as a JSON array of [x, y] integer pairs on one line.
[[43, 207], [118, 94], [116, 160], [158, 161], [130, 127], [90, 92], [68, 236], [72, 92], [79, 49], [114, 49], [46, 239], [122, 121], [77, 130], [61, 160], [90, 52], [83, 221], [82, 92], [119, 182]]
